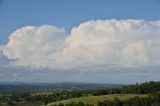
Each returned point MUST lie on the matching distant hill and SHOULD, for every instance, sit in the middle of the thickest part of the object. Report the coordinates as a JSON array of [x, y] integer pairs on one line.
[[21, 87]]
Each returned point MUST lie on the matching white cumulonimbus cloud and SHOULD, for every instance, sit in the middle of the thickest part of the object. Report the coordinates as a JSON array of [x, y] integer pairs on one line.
[[102, 42], [35, 46]]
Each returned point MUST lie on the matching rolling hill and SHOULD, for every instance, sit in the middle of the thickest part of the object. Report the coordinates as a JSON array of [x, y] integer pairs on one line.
[[94, 99]]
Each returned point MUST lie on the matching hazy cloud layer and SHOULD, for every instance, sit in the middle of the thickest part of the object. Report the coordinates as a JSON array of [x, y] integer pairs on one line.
[[3, 59], [122, 43], [98, 75]]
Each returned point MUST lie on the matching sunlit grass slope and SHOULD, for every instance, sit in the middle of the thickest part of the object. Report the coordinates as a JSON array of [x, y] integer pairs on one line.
[[95, 99]]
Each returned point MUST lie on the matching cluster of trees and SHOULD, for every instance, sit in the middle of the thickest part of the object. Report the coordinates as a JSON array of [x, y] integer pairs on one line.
[[144, 88], [19, 99], [38, 100], [153, 100]]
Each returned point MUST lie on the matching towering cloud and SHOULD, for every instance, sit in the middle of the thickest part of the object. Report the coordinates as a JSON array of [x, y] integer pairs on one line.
[[35, 46], [131, 43]]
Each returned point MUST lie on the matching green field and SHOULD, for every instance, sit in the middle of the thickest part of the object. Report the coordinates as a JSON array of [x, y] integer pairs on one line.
[[94, 99]]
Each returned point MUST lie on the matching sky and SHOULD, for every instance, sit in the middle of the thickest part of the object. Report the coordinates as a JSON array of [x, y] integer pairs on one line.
[[101, 41], [66, 14]]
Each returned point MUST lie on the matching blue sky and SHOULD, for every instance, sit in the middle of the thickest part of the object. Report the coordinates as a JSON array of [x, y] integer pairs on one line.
[[114, 41], [15, 14]]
